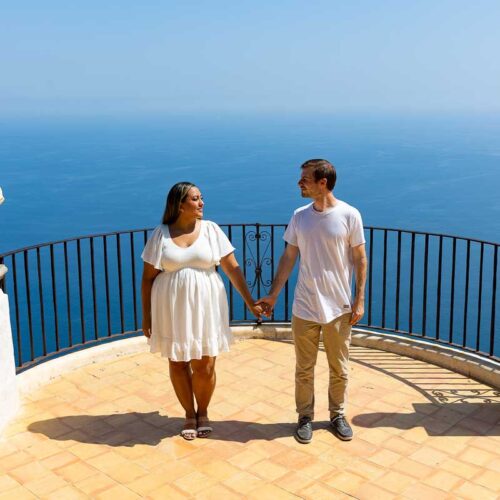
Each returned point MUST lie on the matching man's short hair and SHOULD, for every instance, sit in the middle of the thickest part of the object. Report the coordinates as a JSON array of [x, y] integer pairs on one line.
[[322, 169]]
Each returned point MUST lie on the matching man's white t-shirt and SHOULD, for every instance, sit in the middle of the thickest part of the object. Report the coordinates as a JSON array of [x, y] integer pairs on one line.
[[325, 240]]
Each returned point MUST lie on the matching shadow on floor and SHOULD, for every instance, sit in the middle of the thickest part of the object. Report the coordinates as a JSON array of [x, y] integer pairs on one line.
[[129, 429], [453, 419]]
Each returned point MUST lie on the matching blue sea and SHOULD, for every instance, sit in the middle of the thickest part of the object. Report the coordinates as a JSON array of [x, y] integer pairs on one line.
[[65, 178], [68, 177]]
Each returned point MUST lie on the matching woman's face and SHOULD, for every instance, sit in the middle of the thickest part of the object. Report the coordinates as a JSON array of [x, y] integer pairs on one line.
[[192, 206]]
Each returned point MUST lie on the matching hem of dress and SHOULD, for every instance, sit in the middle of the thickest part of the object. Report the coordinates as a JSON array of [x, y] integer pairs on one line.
[[189, 353]]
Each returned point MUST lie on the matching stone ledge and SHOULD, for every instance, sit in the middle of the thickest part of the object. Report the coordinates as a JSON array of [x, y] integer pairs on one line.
[[39, 375], [467, 364]]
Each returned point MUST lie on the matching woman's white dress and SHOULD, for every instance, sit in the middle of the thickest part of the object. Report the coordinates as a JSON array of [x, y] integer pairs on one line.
[[189, 312]]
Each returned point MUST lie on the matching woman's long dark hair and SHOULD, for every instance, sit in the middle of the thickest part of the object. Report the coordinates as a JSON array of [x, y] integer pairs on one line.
[[177, 194]]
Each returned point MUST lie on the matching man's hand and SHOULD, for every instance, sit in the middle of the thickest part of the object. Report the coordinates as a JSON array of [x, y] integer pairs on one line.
[[358, 310], [267, 305]]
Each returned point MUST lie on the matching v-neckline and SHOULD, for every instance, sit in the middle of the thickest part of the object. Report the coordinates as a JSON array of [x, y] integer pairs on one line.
[[192, 244]]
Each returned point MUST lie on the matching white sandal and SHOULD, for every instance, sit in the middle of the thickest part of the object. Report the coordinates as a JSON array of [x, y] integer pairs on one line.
[[189, 433], [205, 429]]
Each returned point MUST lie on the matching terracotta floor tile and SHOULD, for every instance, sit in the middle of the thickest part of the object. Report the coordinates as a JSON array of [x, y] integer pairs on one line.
[[174, 469], [106, 460], [146, 484], [475, 491], [420, 491], [167, 492], [18, 493], [413, 468], [366, 469], [346, 482], [494, 465], [194, 482], [116, 492], [370, 491], [489, 479], [476, 456], [59, 460], [385, 458], [428, 456], [29, 472], [84, 451], [95, 484], [45, 485], [8, 483], [14, 460], [318, 491], [243, 482], [67, 493], [486, 443], [106, 431], [317, 469], [76, 471], [268, 470], [123, 473], [245, 459], [395, 482], [217, 492], [294, 482], [443, 480], [461, 469]]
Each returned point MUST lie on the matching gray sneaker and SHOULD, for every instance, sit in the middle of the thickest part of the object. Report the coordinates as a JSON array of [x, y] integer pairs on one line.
[[304, 431], [341, 428]]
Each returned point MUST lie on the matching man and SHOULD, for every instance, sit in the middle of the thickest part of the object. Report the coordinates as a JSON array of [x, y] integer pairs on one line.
[[328, 235]]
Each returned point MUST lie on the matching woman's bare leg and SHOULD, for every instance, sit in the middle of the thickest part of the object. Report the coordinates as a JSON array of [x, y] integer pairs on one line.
[[180, 375], [203, 382]]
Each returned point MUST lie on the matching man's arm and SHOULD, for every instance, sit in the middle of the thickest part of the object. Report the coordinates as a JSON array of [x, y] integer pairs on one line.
[[360, 266], [285, 267]]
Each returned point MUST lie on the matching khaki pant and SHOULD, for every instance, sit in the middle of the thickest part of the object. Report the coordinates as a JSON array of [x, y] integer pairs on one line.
[[336, 340]]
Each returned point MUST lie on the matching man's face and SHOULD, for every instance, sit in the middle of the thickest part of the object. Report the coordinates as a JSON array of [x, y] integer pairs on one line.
[[309, 187]]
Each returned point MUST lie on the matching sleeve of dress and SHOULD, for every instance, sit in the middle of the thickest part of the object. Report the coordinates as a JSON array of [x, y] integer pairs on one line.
[[219, 242], [153, 249]]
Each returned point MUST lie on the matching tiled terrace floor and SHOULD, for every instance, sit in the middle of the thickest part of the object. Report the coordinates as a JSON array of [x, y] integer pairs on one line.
[[110, 431]]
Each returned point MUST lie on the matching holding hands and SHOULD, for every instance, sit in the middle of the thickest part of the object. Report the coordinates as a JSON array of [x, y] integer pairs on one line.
[[266, 305]]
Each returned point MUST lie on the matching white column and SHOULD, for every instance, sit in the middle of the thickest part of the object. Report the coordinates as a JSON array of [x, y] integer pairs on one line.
[[9, 399]]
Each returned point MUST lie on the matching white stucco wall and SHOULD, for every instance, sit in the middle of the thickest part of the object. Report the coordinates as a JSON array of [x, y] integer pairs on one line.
[[9, 400]]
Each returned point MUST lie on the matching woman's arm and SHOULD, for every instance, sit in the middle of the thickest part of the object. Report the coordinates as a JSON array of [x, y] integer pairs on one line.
[[232, 270], [149, 274]]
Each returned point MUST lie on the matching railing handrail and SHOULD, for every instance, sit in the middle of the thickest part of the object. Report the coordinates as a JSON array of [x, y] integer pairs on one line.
[[128, 231], [83, 290]]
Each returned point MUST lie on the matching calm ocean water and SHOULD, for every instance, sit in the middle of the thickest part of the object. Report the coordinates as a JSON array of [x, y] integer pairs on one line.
[[76, 177], [73, 177]]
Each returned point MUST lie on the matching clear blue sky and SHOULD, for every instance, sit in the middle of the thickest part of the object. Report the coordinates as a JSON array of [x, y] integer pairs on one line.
[[92, 57]]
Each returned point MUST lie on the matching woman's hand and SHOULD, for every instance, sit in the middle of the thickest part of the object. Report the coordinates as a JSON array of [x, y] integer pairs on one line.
[[256, 310], [146, 327]]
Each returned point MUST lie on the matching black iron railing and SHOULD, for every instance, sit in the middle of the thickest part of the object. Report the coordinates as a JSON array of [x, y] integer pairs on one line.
[[70, 294]]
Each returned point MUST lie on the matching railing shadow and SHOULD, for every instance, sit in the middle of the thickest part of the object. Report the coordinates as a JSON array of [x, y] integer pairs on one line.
[[453, 408], [454, 419]]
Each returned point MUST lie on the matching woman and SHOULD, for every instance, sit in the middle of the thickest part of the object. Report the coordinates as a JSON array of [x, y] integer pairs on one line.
[[184, 304]]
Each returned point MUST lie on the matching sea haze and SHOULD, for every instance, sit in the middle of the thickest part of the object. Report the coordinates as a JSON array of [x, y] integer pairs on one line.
[[69, 177]]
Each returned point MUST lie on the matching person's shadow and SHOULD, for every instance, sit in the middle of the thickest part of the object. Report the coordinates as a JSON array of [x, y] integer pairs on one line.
[[129, 429]]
